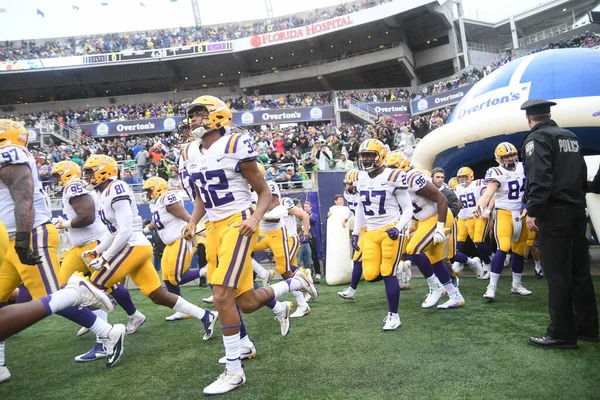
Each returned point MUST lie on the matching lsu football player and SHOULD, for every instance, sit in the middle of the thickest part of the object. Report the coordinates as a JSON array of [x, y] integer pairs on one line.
[[222, 167], [506, 185], [32, 255], [382, 193], [169, 216], [124, 250], [427, 245], [352, 196], [469, 192], [80, 208]]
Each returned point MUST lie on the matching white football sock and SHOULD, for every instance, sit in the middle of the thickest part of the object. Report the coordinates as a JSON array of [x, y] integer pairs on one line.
[[202, 272], [2, 361], [450, 289], [516, 278], [300, 298], [279, 308], [232, 354], [538, 266], [101, 328], [185, 307], [282, 287], [62, 299], [103, 315], [245, 341], [432, 281], [494, 277], [261, 272]]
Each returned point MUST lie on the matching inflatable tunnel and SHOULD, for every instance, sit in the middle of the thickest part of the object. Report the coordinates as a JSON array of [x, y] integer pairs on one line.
[[490, 112]]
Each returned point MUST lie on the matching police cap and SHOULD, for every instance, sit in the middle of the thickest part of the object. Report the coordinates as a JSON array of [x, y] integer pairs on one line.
[[537, 106]]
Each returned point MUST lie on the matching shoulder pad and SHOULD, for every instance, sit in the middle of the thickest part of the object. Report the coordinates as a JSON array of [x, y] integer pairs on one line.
[[169, 198], [241, 145], [394, 175], [12, 154]]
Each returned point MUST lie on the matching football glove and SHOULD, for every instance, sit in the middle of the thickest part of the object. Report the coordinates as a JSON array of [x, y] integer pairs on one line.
[[188, 232], [439, 236], [355, 243], [23, 249], [393, 233], [89, 255], [99, 263]]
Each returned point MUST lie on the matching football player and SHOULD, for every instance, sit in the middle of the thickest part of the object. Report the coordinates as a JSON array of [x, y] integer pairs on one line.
[[222, 167], [80, 208], [382, 193], [428, 237], [169, 216], [124, 250], [506, 184], [469, 192], [26, 214], [352, 196]]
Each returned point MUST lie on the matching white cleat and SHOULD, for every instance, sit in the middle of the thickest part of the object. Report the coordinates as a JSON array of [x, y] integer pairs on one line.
[[306, 283], [209, 300], [348, 294], [245, 352], [82, 331], [95, 353], [518, 288], [436, 291], [392, 322], [486, 271], [267, 282], [301, 312], [209, 327], [89, 295], [490, 293], [406, 275], [454, 302], [475, 264], [178, 316], [457, 268], [284, 318], [307, 297], [134, 322], [4, 373], [114, 344], [226, 382]]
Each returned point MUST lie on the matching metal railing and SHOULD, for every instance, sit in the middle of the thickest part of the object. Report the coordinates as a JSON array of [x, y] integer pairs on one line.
[[539, 36], [488, 48], [361, 110], [62, 132]]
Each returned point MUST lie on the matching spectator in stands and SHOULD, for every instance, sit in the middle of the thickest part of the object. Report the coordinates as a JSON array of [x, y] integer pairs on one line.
[[141, 159], [315, 225], [174, 182], [289, 176], [336, 146], [163, 169], [129, 178], [352, 148], [343, 163], [272, 172], [76, 159], [324, 156], [156, 152]]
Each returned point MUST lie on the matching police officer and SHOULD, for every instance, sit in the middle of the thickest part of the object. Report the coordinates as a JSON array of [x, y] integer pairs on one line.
[[555, 193]]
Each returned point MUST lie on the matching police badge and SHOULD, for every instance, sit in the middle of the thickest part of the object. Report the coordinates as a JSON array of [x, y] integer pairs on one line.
[[529, 149]]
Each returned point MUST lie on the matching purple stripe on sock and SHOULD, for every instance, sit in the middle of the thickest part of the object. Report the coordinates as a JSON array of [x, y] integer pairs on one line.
[[122, 297], [441, 271], [517, 263], [83, 317], [356, 274], [460, 257], [498, 262], [423, 264], [189, 276], [392, 292], [46, 301]]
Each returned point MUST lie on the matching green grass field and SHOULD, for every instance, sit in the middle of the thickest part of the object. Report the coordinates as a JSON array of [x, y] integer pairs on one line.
[[339, 351]]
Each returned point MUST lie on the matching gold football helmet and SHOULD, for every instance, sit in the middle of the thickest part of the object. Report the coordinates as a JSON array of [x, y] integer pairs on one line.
[[65, 171], [465, 176], [506, 150], [261, 168], [215, 114], [397, 159], [12, 132], [154, 187], [453, 183], [349, 179], [371, 155], [99, 168]]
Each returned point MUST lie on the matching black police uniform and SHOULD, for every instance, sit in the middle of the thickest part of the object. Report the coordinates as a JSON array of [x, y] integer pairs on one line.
[[556, 176]]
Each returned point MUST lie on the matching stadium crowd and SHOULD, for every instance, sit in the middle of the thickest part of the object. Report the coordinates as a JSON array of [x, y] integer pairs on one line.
[[165, 38]]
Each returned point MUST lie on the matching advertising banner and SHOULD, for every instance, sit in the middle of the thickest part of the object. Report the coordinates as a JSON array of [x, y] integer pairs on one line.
[[283, 115], [133, 127], [398, 110], [440, 100]]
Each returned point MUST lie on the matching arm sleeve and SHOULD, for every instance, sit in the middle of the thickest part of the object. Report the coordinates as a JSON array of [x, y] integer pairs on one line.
[[359, 218], [276, 213], [123, 213], [539, 176], [404, 202], [594, 186], [105, 242]]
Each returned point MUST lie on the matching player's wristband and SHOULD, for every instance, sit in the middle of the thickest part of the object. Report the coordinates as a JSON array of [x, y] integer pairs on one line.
[[486, 211], [254, 218], [66, 223]]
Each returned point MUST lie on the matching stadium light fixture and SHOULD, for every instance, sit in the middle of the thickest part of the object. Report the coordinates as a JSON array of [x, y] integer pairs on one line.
[[221, 74], [204, 76], [256, 60], [292, 53], [271, 57], [349, 41], [332, 46], [239, 72]]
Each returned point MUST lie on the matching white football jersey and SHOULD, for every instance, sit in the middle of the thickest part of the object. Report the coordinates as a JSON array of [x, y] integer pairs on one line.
[[511, 187], [352, 200], [378, 197], [85, 235], [290, 220], [167, 225], [422, 208], [11, 154], [186, 180], [215, 171], [266, 226], [118, 190], [469, 197]]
